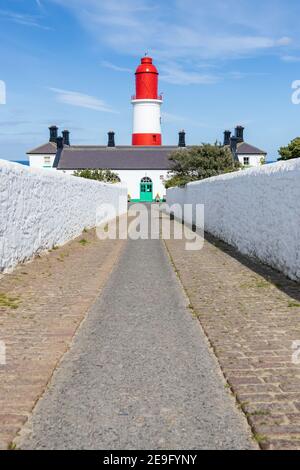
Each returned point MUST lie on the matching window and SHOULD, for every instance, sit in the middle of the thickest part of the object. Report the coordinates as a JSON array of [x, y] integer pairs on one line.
[[246, 161], [47, 161]]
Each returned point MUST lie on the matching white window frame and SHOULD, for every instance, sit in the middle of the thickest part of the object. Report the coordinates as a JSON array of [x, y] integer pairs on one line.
[[47, 161]]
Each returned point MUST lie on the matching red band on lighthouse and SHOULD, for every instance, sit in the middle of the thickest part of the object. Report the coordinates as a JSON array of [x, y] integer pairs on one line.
[[146, 139], [146, 106]]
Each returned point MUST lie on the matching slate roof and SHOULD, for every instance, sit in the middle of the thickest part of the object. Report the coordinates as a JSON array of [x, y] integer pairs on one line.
[[46, 149], [243, 148], [114, 158], [121, 157]]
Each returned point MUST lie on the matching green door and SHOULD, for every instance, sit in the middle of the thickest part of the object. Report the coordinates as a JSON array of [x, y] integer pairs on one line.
[[146, 192]]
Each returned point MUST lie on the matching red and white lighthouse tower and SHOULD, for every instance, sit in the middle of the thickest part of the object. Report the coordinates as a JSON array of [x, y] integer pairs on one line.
[[146, 105]]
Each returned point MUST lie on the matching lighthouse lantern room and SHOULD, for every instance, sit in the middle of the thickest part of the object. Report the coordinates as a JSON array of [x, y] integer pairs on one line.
[[146, 106]]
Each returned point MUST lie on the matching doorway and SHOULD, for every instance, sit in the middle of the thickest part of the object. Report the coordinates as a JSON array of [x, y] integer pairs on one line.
[[146, 190]]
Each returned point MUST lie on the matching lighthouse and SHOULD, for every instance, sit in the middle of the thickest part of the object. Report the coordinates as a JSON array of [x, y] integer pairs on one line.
[[146, 106]]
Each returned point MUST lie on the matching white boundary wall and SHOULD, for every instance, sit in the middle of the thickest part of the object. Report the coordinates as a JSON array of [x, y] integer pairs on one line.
[[255, 210], [40, 209]]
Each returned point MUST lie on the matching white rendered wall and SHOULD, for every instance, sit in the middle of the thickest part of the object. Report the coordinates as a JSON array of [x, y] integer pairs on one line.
[[146, 116], [132, 179], [256, 210], [40, 209], [38, 161], [254, 160]]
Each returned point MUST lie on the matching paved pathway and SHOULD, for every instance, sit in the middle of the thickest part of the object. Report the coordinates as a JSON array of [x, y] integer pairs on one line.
[[140, 374], [53, 294], [251, 315]]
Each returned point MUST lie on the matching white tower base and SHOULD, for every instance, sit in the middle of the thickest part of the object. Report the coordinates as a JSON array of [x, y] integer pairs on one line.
[[146, 122]]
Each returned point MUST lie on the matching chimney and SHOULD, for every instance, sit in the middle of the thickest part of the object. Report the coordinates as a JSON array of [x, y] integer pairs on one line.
[[66, 137], [181, 139], [60, 142], [53, 134], [111, 139], [239, 133], [227, 135], [233, 146]]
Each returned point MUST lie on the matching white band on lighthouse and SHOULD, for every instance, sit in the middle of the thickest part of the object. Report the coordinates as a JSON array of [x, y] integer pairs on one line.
[[146, 116]]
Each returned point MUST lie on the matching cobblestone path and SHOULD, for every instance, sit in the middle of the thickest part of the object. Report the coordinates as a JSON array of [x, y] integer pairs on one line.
[[42, 303], [251, 315]]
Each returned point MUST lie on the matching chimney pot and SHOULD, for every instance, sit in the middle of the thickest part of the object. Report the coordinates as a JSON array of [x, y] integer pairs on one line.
[[233, 147], [181, 142], [53, 134], [239, 133], [227, 136], [66, 137], [60, 142], [111, 139]]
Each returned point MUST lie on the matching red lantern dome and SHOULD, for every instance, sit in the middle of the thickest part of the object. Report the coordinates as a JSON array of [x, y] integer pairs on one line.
[[146, 80]]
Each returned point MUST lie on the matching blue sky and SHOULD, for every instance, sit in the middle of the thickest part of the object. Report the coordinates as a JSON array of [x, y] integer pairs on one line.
[[221, 63]]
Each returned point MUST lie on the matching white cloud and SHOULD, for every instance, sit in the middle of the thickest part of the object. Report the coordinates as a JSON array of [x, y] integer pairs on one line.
[[2, 92], [114, 67], [171, 118], [81, 100], [129, 26], [290, 58], [171, 73], [23, 19], [236, 75], [284, 41], [184, 33]]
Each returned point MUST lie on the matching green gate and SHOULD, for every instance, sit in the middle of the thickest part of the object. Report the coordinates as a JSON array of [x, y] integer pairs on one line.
[[146, 190]]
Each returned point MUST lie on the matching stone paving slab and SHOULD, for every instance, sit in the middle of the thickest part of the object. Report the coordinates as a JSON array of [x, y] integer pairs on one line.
[[251, 316], [42, 304]]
